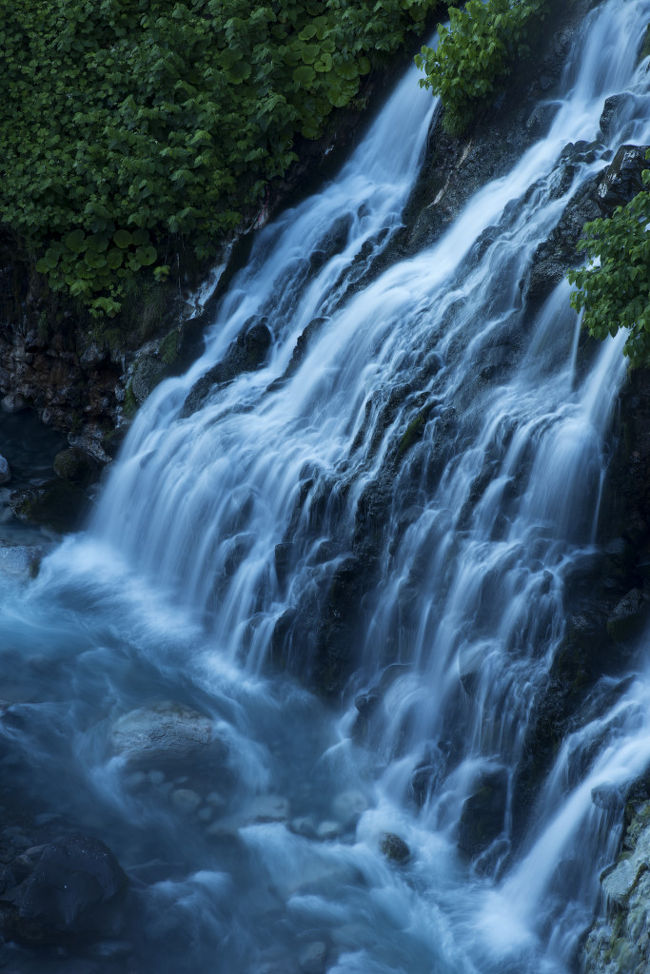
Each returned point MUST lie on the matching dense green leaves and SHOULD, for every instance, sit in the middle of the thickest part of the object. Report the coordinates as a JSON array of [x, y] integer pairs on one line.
[[475, 54], [128, 125], [614, 288]]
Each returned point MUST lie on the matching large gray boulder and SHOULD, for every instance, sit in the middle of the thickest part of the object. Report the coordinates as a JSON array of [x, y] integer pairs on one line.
[[163, 733]]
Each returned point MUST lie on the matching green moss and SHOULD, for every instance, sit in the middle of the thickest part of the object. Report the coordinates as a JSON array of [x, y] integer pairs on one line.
[[414, 432], [130, 406], [645, 47], [169, 347]]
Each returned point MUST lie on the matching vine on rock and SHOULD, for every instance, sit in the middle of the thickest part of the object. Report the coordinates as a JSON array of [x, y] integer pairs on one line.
[[475, 55], [614, 287]]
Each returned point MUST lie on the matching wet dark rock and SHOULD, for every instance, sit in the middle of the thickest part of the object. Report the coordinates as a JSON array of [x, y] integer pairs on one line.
[[428, 773], [5, 471], [559, 251], [613, 110], [395, 848], [602, 194], [423, 781], [313, 958], [76, 466], [367, 703], [148, 372], [629, 616], [611, 798], [541, 118], [339, 625], [302, 345], [63, 890], [584, 653], [622, 179], [283, 554], [246, 354], [482, 817], [625, 506]]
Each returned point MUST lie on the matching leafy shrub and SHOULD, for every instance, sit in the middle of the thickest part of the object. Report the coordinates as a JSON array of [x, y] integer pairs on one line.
[[475, 55], [132, 128], [614, 289]]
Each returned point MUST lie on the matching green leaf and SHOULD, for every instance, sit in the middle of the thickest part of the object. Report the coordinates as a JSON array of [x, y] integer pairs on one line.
[[114, 258], [75, 241], [304, 75], [146, 255], [122, 239]]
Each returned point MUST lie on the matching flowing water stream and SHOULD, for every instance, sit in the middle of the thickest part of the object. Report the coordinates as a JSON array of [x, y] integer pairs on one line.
[[424, 418]]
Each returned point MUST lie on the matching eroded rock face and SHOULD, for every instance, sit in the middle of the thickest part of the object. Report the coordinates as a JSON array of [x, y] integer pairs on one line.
[[622, 179], [620, 942], [246, 354]]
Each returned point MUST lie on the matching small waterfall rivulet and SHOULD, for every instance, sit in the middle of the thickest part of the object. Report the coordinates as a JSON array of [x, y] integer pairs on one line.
[[415, 437]]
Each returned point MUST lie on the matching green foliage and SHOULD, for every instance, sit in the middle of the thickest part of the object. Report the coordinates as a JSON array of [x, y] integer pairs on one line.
[[134, 128], [475, 55], [614, 289]]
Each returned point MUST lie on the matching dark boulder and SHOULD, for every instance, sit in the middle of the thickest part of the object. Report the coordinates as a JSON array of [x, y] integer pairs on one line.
[[395, 848], [76, 466], [68, 888], [629, 616], [57, 504], [622, 178], [616, 110], [560, 250]]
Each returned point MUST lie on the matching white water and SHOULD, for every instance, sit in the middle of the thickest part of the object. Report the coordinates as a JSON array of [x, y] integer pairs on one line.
[[176, 589]]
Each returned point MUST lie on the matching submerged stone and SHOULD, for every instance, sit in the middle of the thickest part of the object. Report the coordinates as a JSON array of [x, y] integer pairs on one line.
[[313, 958]]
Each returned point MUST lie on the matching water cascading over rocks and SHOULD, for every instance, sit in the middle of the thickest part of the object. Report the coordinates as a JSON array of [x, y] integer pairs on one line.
[[384, 476]]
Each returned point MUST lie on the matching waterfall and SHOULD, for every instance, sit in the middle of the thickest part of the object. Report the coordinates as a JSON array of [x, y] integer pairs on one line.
[[386, 500]]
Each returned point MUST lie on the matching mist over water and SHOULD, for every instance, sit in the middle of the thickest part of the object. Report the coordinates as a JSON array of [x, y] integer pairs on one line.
[[489, 426]]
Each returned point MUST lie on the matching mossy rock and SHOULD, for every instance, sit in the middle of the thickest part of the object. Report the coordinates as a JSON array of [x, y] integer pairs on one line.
[[76, 467], [58, 505]]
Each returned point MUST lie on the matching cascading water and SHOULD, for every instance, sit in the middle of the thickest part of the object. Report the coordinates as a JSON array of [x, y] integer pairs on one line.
[[420, 419]]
